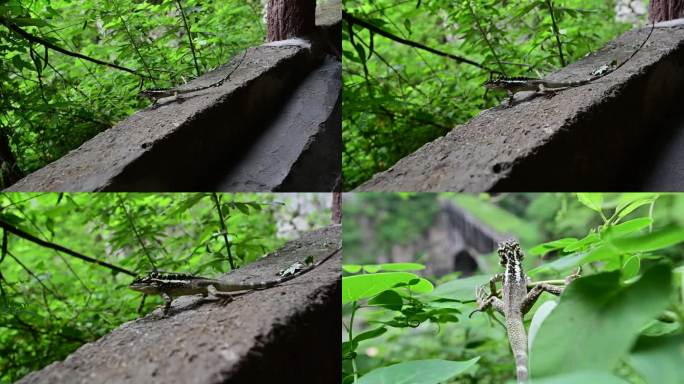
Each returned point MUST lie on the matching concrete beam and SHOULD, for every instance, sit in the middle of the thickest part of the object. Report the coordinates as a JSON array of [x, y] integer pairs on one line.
[[583, 138]]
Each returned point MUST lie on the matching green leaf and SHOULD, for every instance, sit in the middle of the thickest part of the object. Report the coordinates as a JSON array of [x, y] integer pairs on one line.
[[545, 248], [659, 359], [417, 372], [351, 268], [369, 334], [601, 316], [397, 267], [581, 377], [460, 289], [365, 286], [653, 241], [591, 200], [582, 243], [361, 52], [242, 207], [387, 299], [563, 263], [24, 21], [628, 202], [538, 319], [628, 226], [631, 267]]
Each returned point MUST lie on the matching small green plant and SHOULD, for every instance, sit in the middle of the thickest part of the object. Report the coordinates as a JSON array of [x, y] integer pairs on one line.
[[397, 294]]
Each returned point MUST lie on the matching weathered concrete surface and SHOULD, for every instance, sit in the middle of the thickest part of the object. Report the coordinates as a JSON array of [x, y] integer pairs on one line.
[[580, 139], [182, 144], [660, 166], [301, 149], [284, 334]]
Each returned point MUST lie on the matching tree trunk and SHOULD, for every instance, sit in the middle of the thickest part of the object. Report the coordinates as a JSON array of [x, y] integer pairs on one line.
[[662, 10], [337, 208], [290, 18]]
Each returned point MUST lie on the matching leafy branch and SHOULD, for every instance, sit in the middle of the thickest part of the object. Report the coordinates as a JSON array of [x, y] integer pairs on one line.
[[354, 20], [27, 236], [35, 39]]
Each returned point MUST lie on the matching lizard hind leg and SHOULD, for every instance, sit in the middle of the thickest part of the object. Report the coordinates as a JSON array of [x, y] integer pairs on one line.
[[223, 297]]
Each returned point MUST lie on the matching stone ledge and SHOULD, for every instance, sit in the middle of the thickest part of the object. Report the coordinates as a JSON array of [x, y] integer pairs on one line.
[[288, 333], [580, 139], [300, 148], [186, 140]]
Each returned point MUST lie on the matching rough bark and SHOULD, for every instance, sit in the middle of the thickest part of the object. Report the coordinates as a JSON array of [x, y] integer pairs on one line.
[[337, 208], [290, 18], [662, 10]]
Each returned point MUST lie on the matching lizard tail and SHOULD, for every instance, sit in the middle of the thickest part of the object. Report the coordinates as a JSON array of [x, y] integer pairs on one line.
[[518, 340]]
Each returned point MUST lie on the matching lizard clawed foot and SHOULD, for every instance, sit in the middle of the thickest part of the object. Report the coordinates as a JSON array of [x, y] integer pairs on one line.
[[224, 300], [575, 275]]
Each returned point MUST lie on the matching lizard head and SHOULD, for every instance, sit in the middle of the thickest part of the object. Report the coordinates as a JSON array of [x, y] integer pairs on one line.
[[496, 83], [509, 251], [148, 284]]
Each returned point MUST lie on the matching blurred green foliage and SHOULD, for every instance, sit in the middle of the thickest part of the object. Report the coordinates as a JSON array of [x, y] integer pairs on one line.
[[51, 103], [374, 222], [52, 303], [397, 98]]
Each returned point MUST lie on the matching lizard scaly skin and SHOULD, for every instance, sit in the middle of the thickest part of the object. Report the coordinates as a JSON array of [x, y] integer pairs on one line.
[[515, 300]]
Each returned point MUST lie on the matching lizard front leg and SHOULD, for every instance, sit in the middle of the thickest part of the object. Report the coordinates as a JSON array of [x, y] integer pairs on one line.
[[534, 293], [510, 97], [486, 301], [492, 284], [167, 302]]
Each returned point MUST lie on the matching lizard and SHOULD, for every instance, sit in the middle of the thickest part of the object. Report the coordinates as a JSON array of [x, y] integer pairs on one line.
[[172, 285], [155, 94], [513, 85], [515, 300]]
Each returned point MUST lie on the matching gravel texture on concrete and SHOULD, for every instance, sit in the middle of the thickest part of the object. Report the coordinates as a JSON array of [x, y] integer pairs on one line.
[[300, 150]]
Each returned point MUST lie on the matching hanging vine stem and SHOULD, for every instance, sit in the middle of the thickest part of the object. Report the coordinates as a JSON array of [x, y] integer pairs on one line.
[[135, 46], [135, 232], [187, 30], [484, 36], [224, 231], [556, 33]]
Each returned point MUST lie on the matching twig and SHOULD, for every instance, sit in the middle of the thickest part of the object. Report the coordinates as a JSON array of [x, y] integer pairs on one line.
[[135, 232], [556, 33], [353, 20], [224, 231], [35, 39], [27, 236], [484, 35], [187, 30]]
